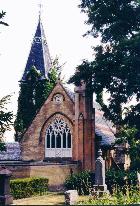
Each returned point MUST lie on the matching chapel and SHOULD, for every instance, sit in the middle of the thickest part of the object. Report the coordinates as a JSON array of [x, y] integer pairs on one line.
[[69, 126], [65, 133]]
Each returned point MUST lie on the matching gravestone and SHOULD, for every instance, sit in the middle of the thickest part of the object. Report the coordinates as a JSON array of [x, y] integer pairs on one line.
[[5, 197], [71, 197], [100, 187]]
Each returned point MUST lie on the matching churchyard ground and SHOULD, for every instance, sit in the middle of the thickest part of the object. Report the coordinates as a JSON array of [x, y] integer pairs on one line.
[[52, 198]]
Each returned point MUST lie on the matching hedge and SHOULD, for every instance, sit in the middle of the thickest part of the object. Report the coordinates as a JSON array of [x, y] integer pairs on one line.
[[27, 187]]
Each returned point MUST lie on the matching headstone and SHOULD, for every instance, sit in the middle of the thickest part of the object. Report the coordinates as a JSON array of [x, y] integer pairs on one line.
[[100, 187], [5, 197], [71, 197]]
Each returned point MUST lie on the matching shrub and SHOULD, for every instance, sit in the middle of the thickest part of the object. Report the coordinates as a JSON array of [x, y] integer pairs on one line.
[[82, 182], [130, 198], [120, 178], [2, 146], [27, 187]]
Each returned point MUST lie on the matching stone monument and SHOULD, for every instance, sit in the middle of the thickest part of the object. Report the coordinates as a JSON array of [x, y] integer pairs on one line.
[[71, 197], [5, 196], [100, 187]]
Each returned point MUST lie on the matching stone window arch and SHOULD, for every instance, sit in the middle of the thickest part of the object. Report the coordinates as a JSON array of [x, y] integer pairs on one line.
[[58, 141]]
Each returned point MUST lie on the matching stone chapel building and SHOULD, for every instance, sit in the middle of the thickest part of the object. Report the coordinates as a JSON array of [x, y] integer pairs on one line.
[[69, 126]]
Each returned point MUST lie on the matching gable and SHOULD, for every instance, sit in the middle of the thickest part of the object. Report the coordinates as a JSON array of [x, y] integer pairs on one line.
[[58, 101]]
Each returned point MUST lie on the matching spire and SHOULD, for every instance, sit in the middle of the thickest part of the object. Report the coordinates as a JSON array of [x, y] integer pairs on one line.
[[39, 55]]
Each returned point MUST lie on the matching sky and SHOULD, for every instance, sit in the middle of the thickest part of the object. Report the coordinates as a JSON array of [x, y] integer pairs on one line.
[[64, 26]]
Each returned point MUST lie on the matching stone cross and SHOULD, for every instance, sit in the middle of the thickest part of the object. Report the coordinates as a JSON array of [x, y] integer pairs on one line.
[[100, 169]]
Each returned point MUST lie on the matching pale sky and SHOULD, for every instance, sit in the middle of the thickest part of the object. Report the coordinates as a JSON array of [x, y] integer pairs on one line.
[[64, 26]]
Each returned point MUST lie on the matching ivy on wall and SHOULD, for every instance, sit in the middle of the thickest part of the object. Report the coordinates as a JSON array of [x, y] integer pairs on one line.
[[33, 93]]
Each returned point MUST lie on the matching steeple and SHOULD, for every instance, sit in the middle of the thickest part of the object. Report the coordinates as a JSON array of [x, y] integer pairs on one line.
[[39, 55]]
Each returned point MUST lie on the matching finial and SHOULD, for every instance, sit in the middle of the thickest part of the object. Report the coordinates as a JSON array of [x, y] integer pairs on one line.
[[100, 153], [40, 10]]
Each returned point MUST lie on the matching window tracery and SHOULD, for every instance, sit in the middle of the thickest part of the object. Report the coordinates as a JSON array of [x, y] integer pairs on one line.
[[58, 134]]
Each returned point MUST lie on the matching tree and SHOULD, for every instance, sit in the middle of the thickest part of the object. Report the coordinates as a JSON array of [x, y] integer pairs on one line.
[[2, 14], [33, 93], [6, 118], [131, 136], [116, 67]]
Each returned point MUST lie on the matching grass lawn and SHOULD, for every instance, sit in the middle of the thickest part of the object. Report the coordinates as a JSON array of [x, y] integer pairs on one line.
[[52, 198]]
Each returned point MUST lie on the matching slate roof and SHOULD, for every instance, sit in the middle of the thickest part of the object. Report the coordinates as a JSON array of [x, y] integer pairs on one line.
[[69, 92], [103, 127], [12, 152], [39, 55]]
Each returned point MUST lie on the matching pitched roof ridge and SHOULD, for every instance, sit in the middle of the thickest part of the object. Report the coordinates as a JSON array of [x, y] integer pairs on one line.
[[69, 91]]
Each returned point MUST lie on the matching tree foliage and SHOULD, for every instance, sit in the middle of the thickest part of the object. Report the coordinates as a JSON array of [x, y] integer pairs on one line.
[[132, 137], [2, 14], [33, 93], [6, 117], [116, 67]]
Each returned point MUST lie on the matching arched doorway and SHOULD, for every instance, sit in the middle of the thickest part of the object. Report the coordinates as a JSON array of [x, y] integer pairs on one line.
[[58, 139]]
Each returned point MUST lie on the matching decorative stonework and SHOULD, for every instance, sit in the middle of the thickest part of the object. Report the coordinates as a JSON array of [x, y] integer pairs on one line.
[[58, 138], [58, 99]]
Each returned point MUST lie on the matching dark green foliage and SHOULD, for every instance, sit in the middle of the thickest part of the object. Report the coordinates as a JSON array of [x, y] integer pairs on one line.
[[27, 187], [132, 197], [82, 182], [33, 93], [111, 18], [120, 178], [2, 146], [116, 67], [117, 58], [6, 117], [131, 136]]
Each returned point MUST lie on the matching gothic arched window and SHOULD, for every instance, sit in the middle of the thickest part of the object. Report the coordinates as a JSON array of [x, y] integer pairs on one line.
[[58, 139]]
